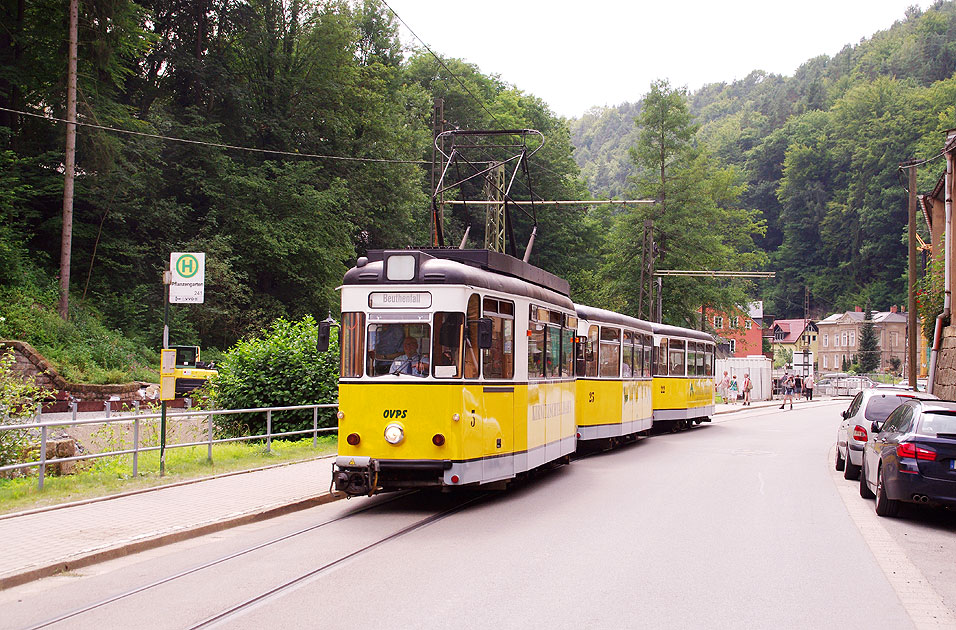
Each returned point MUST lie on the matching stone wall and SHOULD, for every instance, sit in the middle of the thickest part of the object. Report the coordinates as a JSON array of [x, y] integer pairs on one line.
[[945, 383], [31, 363]]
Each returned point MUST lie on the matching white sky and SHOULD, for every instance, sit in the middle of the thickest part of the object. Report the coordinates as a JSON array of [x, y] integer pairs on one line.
[[575, 55]]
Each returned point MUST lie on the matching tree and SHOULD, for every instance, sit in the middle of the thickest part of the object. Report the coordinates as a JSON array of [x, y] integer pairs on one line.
[[698, 224], [869, 356]]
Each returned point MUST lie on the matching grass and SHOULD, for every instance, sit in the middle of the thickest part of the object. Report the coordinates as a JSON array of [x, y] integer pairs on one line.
[[112, 475]]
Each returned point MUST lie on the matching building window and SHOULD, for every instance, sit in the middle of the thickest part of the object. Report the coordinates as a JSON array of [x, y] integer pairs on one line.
[[846, 338], [748, 324], [735, 322], [836, 340], [825, 366], [718, 322], [733, 346], [852, 338], [826, 341], [894, 338]]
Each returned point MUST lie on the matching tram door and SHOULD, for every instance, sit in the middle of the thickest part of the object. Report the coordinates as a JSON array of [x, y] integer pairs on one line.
[[498, 392]]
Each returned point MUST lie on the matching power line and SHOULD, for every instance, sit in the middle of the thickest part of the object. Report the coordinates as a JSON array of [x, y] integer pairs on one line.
[[442, 63], [218, 145]]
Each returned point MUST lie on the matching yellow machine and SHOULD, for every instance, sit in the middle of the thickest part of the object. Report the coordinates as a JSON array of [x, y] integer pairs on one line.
[[190, 371]]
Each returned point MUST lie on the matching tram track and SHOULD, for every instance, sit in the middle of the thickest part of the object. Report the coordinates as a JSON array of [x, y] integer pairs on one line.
[[300, 579], [218, 561]]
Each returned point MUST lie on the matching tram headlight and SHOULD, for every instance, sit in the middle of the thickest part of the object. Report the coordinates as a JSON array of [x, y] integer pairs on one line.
[[340, 415], [394, 433]]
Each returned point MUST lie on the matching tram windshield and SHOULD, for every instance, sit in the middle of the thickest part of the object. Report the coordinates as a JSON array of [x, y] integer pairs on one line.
[[396, 349]]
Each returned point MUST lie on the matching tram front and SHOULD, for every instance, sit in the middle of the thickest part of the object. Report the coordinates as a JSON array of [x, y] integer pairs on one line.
[[405, 346]]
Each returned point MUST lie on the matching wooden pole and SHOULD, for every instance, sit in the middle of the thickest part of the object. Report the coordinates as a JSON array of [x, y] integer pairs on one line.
[[66, 238], [911, 327]]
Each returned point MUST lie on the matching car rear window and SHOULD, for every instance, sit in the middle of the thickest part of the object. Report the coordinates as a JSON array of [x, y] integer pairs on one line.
[[880, 406], [934, 423]]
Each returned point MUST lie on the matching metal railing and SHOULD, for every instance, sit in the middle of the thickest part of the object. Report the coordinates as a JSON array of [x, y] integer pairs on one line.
[[136, 418]]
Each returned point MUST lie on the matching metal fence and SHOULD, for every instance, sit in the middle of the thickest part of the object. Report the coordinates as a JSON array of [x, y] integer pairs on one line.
[[44, 427]]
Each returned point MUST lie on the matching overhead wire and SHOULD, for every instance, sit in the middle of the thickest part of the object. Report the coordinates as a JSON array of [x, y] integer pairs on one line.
[[218, 145]]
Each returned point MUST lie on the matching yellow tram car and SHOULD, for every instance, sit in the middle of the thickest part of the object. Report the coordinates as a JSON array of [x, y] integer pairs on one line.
[[614, 372], [683, 389], [457, 368]]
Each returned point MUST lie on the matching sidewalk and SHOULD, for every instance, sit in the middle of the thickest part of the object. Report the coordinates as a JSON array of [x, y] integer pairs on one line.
[[39, 543], [42, 542]]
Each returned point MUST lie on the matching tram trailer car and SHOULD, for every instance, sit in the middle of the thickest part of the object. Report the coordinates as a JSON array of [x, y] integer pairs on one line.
[[683, 386], [614, 372], [457, 368]]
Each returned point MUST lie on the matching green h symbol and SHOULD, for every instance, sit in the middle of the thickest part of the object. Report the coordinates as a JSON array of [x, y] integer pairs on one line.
[[187, 266]]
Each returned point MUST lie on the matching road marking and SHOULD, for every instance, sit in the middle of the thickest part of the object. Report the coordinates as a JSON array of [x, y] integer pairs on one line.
[[921, 601]]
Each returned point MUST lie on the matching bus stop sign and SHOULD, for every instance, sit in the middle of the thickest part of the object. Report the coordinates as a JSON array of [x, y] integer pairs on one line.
[[188, 280]]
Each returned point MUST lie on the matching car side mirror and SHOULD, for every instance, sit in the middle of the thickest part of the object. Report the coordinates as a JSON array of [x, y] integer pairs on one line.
[[325, 332], [845, 413], [876, 427], [484, 333]]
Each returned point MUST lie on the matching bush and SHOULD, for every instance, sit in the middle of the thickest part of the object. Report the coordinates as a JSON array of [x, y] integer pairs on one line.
[[18, 400], [280, 367]]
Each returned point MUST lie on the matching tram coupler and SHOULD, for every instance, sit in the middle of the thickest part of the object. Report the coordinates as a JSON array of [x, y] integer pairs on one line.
[[355, 476]]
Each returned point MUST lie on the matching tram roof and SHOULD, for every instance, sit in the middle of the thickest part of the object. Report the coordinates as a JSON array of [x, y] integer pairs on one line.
[[677, 331], [593, 314], [478, 268]]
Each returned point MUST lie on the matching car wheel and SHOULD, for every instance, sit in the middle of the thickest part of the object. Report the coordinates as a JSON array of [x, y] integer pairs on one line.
[[864, 489], [850, 470], [839, 459], [884, 505]]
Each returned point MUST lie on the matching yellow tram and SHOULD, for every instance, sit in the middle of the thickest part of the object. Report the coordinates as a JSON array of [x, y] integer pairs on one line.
[[683, 389], [613, 376], [457, 368]]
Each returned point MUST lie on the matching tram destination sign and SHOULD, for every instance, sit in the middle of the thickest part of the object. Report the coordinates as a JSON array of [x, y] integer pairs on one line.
[[418, 299], [188, 277]]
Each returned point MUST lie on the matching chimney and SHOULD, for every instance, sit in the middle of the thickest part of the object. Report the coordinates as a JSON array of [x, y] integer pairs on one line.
[[894, 308], [858, 309]]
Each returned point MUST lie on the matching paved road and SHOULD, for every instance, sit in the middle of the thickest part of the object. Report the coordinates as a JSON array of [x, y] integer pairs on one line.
[[739, 524]]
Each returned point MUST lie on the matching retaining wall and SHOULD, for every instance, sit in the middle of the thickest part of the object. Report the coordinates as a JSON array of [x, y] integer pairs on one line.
[[945, 384]]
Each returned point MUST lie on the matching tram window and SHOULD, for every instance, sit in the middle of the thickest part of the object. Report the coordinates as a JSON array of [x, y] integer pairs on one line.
[[701, 357], [471, 340], [610, 355], [627, 356], [536, 350], [498, 361], [691, 359], [591, 351], [353, 329], [676, 353], [447, 345], [709, 361], [567, 352], [553, 359], [660, 365], [648, 353], [398, 349], [506, 308]]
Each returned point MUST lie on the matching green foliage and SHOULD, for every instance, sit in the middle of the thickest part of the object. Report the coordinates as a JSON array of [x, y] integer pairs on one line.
[[279, 367], [83, 350], [18, 403], [930, 291]]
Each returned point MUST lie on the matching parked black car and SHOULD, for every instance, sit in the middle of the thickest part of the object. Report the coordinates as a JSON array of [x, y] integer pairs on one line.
[[911, 457]]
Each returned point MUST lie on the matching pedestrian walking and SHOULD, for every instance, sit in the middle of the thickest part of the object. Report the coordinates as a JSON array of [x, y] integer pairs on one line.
[[808, 387], [748, 387], [733, 390], [723, 385], [787, 383]]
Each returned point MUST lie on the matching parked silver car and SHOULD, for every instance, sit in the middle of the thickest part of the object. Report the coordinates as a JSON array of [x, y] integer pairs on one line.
[[868, 406]]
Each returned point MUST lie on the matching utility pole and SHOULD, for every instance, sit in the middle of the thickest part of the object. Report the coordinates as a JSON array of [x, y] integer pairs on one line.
[[438, 126], [66, 238], [913, 366]]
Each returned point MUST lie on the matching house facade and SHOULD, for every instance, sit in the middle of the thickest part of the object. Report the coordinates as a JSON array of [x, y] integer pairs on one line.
[[740, 329], [793, 335], [840, 339]]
